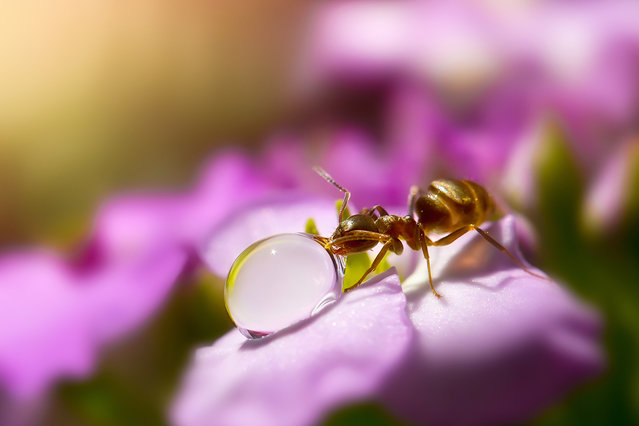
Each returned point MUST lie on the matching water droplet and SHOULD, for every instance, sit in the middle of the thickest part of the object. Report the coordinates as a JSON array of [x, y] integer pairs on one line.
[[279, 281]]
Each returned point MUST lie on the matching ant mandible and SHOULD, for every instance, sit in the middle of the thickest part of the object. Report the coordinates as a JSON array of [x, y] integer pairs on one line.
[[453, 207]]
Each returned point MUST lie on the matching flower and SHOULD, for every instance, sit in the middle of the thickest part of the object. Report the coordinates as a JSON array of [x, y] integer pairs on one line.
[[375, 174], [55, 318], [610, 196], [57, 312], [141, 245], [317, 364], [498, 347], [473, 80]]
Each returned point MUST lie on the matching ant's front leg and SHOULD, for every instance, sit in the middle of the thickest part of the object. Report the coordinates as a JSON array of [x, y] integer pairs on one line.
[[358, 235], [392, 244]]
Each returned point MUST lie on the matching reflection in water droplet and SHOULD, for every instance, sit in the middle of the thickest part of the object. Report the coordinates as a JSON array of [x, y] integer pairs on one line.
[[279, 281]]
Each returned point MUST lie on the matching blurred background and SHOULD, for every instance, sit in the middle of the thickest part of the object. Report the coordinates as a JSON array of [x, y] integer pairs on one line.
[[129, 95], [99, 98]]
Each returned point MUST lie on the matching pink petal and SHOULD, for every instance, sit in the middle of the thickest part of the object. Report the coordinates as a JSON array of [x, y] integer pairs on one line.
[[130, 226], [55, 319], [367, 40], [57, 314], [574, 60], [352, 159], [499, 346], [288, 213], [38, 304], [134, 224], [227, 182], [609, 193], [297, 375]]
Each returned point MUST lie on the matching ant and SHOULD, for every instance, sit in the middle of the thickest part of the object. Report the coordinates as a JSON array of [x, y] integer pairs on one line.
[[453, 207]]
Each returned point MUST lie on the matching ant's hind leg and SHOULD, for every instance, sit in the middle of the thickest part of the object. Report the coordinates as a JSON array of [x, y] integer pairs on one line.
[[448, 239], [501, 248], [376, 262], [424, 240], [461, 231]]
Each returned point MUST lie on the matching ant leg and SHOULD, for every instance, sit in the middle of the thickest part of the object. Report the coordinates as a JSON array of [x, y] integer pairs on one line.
[[412, 197], [381, 210], [376, 262], [424, 241], [461, 231], [444, 241], [492, 241], [359, 235], [347, 194]]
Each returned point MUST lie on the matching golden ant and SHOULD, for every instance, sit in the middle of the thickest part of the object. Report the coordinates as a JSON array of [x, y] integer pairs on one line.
[[447, 206]]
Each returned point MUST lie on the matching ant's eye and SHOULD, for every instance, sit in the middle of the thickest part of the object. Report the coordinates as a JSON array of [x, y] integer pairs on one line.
[[279, 281]]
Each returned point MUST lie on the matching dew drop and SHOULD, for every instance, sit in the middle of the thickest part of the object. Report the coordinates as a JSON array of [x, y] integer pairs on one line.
[[279, 281]]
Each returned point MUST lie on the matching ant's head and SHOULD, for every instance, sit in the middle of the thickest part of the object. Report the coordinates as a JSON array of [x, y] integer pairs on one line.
[[345, 239]]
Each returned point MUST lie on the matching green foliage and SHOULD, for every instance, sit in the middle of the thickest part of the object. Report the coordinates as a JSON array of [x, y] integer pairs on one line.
[[605, 272], [310, 227], [356, 265], [363, 414]]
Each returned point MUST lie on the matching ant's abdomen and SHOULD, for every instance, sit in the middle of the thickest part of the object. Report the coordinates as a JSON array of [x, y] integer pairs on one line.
[[450, 204]]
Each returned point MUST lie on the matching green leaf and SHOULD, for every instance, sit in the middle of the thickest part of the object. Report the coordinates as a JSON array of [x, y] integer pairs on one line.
[[604, 271], [356, 265], [559, 199], [364, 414], [310, 227]]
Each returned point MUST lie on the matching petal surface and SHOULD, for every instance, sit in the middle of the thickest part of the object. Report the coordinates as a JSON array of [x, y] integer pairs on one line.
[[274, 215], [297, 375], [499, 345], [56, 318]]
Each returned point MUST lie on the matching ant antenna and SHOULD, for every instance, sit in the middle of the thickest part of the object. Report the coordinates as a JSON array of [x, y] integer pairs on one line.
[[347, 195]]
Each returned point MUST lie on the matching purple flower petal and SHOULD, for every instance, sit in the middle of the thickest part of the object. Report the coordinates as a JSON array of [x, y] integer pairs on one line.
[[57, 313], [297, 375], [31, 328], [56, 318], [499, 346], [227, 182], [136, 224], [368, 42], [374, 175], [288, 213], [488, 74], [608, 196], [129, 227]]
